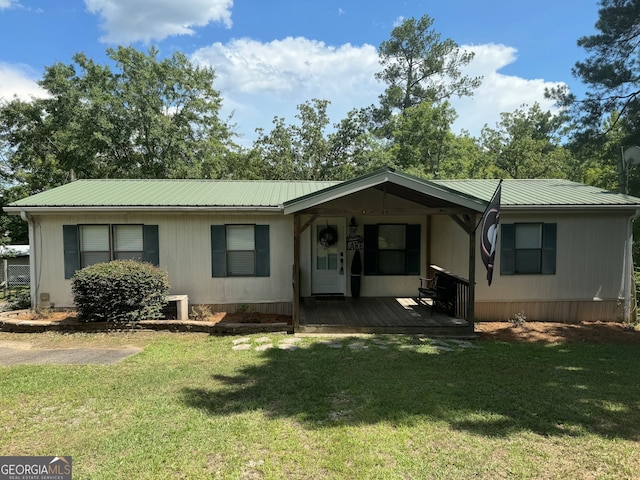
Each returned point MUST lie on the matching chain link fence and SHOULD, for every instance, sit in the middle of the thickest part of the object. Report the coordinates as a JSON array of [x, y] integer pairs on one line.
[[18, 276]]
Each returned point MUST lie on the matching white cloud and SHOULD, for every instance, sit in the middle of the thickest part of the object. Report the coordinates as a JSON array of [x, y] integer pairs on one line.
[[398, 21], [498, 92], [7, 3], [261, 80], [132, 20], [17, 81]]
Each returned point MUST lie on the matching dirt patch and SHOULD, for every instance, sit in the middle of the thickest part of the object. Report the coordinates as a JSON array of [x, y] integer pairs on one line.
[[534, 332], [217, 317], [223, 318], [547, 332]]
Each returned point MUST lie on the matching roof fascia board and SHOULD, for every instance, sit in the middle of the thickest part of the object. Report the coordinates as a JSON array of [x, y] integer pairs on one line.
[[104, 209], [347, 188], [569, 208]]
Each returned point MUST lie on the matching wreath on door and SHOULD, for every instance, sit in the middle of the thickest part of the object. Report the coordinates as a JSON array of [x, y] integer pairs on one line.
[[328, 236]]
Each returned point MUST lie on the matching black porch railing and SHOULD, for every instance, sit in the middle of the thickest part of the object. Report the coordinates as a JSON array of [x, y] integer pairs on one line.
[[462, 291]]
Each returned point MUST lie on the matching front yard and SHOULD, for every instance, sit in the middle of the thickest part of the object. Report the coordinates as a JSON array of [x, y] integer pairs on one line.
[[199, 406]]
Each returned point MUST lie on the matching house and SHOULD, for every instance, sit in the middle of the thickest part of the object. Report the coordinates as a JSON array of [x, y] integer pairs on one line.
[[15, 254], [564, 248], [15, 265]]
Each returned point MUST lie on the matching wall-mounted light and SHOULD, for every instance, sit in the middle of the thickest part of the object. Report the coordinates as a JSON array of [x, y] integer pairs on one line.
[[353, 226]]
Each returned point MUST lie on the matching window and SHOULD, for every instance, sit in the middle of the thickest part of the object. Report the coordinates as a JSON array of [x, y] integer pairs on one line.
[[94, 244], [528, 248], [99, 243], [127, 242], [240, 251], [85, 245], [392, 249]]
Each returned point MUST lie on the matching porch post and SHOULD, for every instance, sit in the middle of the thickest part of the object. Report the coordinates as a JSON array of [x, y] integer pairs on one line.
[[472, 275], [296, 272]]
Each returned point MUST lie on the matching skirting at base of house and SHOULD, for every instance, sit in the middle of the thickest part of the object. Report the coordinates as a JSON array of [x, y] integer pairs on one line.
[[559, 311], [276, 308]]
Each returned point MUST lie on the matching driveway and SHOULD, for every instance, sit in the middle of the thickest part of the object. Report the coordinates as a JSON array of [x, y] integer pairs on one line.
[[23, 353]]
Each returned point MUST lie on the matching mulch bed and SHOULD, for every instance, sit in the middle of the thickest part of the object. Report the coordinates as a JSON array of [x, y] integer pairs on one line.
[[533, 332], [547, 332]]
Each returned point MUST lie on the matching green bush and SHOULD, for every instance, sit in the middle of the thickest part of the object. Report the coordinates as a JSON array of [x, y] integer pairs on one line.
[[121, 290], [19, 299]]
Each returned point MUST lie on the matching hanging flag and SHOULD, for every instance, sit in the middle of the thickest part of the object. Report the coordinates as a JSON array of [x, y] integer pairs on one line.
[[489, 238]]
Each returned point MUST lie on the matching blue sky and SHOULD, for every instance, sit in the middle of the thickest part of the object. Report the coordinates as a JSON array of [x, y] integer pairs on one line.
[[270, 56]]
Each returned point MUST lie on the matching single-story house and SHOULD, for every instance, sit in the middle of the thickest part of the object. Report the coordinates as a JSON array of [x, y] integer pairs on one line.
[[563, 248], [15, 254], [15, 265]]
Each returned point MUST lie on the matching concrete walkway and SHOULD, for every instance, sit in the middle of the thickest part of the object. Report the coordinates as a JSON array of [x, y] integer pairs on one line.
[[22, 353]]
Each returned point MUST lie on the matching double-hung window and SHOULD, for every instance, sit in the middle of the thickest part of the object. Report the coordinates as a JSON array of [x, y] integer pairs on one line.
[[94, 244], [85, 245], [392, 249], [528, 248], [240, 251], [102, 243]]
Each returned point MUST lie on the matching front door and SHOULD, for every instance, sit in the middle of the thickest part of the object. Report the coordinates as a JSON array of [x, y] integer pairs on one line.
[[328, 251]]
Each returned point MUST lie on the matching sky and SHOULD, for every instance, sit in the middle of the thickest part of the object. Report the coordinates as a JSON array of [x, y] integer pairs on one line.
[[270, 56]]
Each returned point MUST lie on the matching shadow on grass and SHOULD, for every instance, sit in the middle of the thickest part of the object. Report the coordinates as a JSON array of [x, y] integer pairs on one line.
[[494, 391]]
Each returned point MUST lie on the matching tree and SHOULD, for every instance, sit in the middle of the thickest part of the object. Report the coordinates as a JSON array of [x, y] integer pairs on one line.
[[423, 138], [306, 151], [611, 70], [418, 66], [144, 118], [526, 144], [465, 159]]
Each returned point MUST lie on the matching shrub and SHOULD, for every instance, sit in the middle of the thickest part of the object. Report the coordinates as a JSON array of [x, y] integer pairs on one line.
[[19, 299], [121, 290]]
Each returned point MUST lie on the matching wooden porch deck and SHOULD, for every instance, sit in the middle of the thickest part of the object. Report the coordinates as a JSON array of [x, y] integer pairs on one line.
[[377, 315]]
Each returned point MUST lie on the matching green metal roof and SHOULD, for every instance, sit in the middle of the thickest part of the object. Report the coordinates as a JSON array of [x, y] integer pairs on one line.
[[172, 193], [274, 194], [541, 192]]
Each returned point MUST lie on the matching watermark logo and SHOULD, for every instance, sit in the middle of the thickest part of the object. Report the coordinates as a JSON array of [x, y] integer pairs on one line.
[[35, 468]]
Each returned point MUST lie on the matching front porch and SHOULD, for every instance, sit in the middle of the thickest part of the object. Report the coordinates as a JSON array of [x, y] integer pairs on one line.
[[377, 315]]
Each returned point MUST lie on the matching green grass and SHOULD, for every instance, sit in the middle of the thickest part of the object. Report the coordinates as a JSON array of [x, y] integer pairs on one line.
[[189, 406]]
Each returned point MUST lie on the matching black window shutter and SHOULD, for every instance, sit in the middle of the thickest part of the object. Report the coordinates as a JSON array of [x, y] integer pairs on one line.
[[507, 249], [262, 250], [413, 249], [549, 241], [71, 250], [218, 251], [370, 249], [150, 245]]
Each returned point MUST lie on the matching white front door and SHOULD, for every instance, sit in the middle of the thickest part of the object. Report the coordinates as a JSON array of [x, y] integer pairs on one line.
[[329, 256]]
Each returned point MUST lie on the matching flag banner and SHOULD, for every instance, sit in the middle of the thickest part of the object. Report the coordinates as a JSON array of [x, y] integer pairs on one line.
[[489, 238]]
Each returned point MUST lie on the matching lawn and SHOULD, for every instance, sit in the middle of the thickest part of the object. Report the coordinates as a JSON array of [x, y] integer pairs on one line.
[[199, 406]]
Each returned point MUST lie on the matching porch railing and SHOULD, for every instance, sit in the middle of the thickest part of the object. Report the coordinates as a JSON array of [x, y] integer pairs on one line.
[[462, 291]]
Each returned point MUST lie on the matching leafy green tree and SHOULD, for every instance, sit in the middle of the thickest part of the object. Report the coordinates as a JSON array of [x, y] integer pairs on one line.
[[611, 71], [598, 158], [274, 154], [418, 66], [423, 138], [526, 144], [307, 150], [143, 118], [465, 159]]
